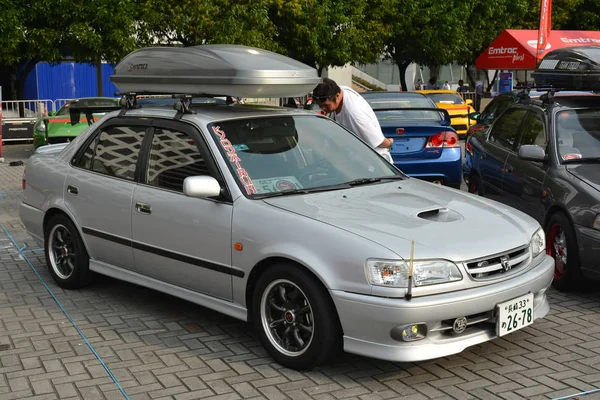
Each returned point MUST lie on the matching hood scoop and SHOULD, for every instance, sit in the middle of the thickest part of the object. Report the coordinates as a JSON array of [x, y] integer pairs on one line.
[[439, 214]]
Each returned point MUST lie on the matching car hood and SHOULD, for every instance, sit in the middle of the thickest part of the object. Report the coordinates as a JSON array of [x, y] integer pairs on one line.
[[443, 222], [587, 173], [61, 126]]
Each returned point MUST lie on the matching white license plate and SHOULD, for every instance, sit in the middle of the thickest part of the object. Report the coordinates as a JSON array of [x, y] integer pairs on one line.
[[514, 314]]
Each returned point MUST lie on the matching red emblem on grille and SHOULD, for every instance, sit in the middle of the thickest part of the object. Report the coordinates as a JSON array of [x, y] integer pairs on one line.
[[399, 131]]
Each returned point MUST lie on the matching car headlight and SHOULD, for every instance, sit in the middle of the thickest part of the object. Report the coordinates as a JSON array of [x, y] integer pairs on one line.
[[41, 127], [394, 273], [538, 242]]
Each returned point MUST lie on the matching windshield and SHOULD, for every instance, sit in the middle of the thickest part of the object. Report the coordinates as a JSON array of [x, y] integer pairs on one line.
[[276, 154], [407, 104], [446, 98], [578, 134]]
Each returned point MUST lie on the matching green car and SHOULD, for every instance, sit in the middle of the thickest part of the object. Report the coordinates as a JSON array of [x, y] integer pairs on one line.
[[57, 127]]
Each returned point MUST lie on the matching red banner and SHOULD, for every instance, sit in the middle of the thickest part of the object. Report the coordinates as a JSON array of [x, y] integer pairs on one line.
[[516, 49], [545, 27]]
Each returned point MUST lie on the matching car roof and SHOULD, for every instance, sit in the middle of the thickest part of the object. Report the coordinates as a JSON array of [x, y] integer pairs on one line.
[[210, 112], [392, 95], [575, 100]]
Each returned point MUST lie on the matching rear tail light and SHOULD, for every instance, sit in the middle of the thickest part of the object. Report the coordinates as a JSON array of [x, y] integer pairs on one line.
[[443, 139]]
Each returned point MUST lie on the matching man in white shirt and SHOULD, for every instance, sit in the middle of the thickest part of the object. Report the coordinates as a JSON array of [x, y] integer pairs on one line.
[[351, 110]]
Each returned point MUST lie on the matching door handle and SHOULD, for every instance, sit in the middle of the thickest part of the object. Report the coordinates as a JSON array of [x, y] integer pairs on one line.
[[72, 189], [143, 208]]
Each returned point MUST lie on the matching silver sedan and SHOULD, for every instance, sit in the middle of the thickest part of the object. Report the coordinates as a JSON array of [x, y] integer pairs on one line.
[[284, 218]]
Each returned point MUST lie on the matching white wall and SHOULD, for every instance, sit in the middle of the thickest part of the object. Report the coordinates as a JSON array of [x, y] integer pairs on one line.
[[341, 75]]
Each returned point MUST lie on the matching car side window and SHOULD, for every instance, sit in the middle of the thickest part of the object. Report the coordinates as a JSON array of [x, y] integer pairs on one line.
[[496, 108], [173, 157], [534, 131], [114, 152], [506, 129]]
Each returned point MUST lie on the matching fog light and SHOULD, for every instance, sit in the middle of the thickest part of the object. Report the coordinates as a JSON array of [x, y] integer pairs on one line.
[[409, 333]]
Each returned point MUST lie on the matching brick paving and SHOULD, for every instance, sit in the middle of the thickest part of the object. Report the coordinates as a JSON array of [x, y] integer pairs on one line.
[[59, 344]]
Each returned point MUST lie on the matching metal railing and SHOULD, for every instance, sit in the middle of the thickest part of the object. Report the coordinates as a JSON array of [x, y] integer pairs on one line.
[[26, 109]]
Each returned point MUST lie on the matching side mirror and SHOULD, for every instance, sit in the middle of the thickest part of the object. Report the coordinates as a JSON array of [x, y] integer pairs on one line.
[[532, 153], [52, 113], [475, 116], [202, 187], [469, 102]]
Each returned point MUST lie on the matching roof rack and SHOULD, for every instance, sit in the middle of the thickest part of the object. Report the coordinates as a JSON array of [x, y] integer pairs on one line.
[[574, 68]]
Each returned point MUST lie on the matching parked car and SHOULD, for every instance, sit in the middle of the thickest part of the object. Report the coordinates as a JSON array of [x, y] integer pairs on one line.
[[542, 156], [458, 108], [281, 217], [58, 128], [425, 145], [503, 101]]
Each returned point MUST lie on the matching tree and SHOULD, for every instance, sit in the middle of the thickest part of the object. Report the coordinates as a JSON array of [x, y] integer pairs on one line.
[[428, 32], [323, 33], [485, 21], [50, 30], [29, 33], [101, 30], [585, 16], [195, 22], [562, 12]]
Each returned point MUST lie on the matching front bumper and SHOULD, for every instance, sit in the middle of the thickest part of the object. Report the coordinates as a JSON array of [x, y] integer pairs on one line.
[[367, 321]]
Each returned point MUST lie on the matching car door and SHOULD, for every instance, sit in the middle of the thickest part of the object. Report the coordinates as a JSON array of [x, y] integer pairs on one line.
[[501, 140], [523, 180], [177, 239], [99, 189]]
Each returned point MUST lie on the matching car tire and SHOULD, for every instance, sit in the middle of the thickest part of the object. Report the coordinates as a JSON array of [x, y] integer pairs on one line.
[[475, 185], [295, 317], [66, 255], [561, 244]]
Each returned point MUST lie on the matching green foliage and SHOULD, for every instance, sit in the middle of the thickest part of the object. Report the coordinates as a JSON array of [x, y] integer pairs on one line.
[[195, 22], [585, 16], [324, 33], [367, 84], [562, 12]]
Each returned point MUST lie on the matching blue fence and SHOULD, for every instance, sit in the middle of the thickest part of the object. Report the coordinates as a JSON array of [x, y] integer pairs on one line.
[[67, 80]]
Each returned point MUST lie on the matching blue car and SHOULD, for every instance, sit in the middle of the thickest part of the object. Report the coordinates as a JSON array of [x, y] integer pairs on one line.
[[425, 145]]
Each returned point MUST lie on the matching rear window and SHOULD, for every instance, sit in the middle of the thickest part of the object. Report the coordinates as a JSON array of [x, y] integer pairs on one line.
[[446, 98]]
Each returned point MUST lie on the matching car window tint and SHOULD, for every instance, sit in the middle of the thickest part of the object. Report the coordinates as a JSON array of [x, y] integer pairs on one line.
[[174, 156], [114, 151], [496, 108], [506, 128], [533, 131]]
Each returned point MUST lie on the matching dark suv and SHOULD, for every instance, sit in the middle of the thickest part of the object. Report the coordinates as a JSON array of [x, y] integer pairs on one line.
[[542, 156]]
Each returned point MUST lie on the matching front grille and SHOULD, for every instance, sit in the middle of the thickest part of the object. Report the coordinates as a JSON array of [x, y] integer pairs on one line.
[[500, 264], [480, 321]]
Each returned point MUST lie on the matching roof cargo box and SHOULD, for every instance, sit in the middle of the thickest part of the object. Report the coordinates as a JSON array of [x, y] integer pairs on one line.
[[218, 70], [574, 68]]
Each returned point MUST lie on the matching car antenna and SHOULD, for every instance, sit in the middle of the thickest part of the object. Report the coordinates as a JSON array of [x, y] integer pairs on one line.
[[410, 271]]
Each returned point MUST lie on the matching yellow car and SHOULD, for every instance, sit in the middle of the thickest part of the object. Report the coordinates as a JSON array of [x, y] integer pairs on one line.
[[457, 107]]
